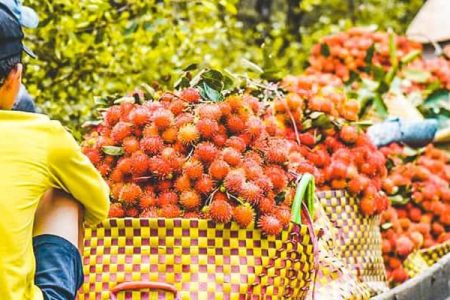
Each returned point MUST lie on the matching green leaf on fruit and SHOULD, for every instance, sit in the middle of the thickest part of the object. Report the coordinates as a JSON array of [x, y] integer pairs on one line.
[[369, 55], [208, 93], [398, 200], [386, 226], [113, 150]]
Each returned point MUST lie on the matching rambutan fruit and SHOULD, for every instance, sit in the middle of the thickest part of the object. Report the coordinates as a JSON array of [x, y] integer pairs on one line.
[[348, 134], [116, 176], [149, 213], [147, 200], [231, 156], [193, 169], [225, 108], [130, 193], [338, 184], [206, 152], [124, 165], [170, 211], [94, 155], [243, 215], [399, 275], [104, 169], [236, 143], [120, 131], [170, 135], [307, 139], [235, 124], [139, 164], [140, 116], [152, 145], [252, 169], [190, 95], [164, 186], [190, 200], [204, 184], [183, 183], [220, 211], [367, 205], [251, 192], [277, 151], [219, 140], [266, 205], [159, 167], [338, 170], [188, 134], [277, 176], [150, 131], [234, 102], [162, 118], [167, 198], [116, 211], [132, 212], [234, 180], [207, 128], [404, 246], [130, 145], [112, 115], [357, 184], [177, 106], [125, 109], [270, 225], [184, 119], [209, 111], [219, 196], [254, 126], [104, 141], [218, 169], [283, 214], [264, 183]]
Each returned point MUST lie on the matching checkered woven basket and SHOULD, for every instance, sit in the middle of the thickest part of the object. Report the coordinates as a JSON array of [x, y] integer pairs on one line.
[[197, 259], [333, 280], [359, 242], [419, 261]]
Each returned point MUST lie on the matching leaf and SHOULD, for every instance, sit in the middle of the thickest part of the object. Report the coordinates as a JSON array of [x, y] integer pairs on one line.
[[398, 200], [369, 55], [209, 93], [191, 67], [182, 82], [386, 226], [214, 79], [325, 49], [437, 97], [113, 150], [126, 99], [418, 76], [89, 124], [410, 57]]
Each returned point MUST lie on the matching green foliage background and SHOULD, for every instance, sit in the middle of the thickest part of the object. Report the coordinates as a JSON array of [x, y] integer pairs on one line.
[[90, 48]]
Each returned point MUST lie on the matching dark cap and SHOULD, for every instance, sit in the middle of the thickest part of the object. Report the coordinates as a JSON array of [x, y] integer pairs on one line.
[[11, 34]]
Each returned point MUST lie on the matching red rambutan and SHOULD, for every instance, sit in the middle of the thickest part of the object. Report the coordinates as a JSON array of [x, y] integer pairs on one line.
[[149, 213], [188, 134], [152, 145], [234, 180], [112, 115], [235, 124], [218, 169], [130, 193], [266, 205], [140, 116], [236, 143], [209, 111], [147, 200], [190, 95], [277, 176], [167, 198], [190, 200], [120, 131], [130, 144], [139, 164], [193, 169], [207, 128], [270, 225], [170, 211], [116, 211], [254, 127], [283, 214], [162, 118], [206, 152], [220, 211], [231, 156], [204, 185], [243, 215], [159, 167]]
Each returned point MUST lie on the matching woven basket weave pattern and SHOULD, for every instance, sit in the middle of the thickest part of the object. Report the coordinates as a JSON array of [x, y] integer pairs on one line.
[[202, 259], [359, 241], [420, 260]]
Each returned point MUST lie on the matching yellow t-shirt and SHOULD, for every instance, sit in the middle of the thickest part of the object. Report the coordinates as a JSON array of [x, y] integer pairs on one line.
[[37, 154]]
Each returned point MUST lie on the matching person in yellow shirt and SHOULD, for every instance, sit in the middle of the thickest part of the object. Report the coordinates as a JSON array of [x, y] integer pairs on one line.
[[39, 157]]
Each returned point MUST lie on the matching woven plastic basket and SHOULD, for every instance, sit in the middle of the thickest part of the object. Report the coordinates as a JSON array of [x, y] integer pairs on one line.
[[421, 260], [333, 280], [359, 242], [199, 259]]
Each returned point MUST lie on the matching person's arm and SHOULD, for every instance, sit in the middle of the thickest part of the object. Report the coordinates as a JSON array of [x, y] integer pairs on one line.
[[71, 171]]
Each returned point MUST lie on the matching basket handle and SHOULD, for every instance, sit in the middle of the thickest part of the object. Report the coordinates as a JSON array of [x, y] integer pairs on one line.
[[138, 285], [305, 191]]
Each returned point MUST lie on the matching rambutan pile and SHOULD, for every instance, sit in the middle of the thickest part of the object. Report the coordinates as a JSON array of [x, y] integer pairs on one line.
[[351, 51], [418, 184], [185, 156]]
